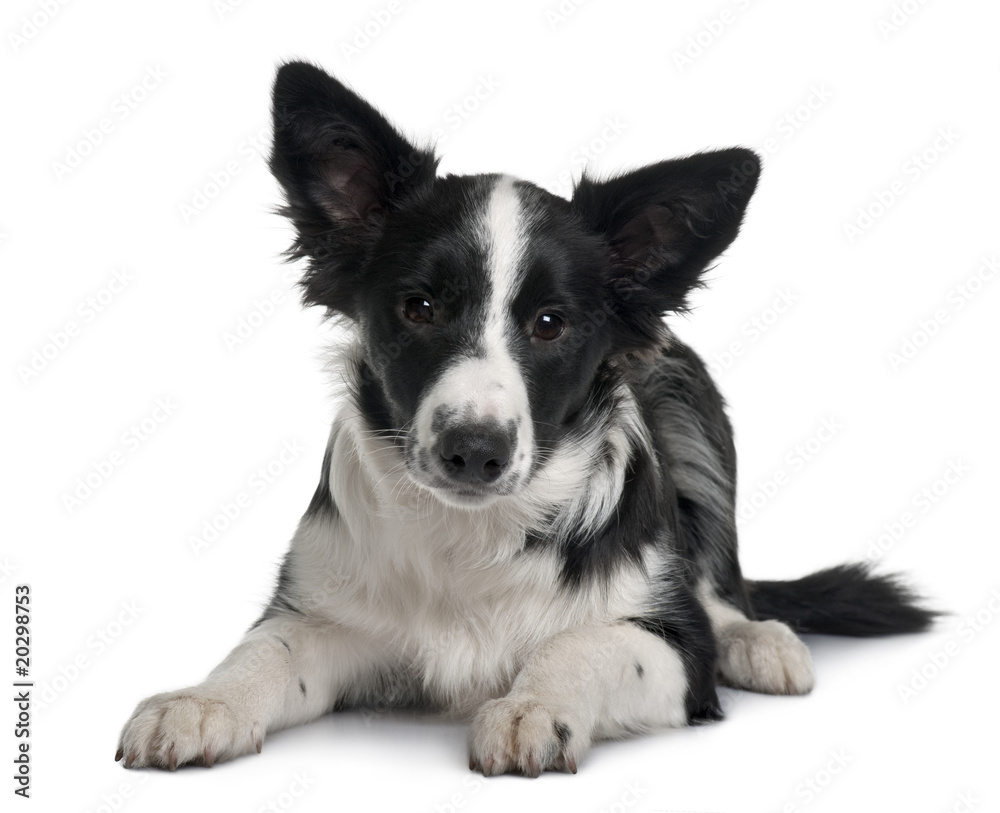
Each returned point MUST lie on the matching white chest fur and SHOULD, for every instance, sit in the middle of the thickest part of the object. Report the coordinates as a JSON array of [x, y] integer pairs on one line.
[[446, 593]]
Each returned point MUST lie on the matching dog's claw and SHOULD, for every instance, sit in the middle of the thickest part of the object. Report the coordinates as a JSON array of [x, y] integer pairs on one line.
[[259, 745], [130, 759], [571, 764], [172, 758], [487, 766], [119, 754], [472, 763], [209, 757], [534, 769]]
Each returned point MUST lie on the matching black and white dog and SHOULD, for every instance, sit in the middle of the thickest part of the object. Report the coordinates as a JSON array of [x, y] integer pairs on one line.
[[526, 512]]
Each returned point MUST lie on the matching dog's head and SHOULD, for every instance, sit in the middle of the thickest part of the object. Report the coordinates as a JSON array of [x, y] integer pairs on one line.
[[486, 307]]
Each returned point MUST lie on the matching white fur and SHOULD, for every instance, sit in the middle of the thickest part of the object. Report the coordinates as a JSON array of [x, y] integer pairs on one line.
[[254, 690], [762, 656], [591, 494], [448, 588], [594, 682], [399, 581]]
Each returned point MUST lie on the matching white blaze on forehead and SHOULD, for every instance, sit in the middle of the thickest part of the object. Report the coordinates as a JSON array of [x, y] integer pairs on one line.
[[491, 386], [495, 383], [505, 239]]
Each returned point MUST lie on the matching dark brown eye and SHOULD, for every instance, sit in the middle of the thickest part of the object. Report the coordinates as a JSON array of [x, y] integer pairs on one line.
[[549, 326], [419, 310]]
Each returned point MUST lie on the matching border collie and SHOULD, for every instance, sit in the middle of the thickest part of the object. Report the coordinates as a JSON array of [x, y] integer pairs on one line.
[[526, 511]]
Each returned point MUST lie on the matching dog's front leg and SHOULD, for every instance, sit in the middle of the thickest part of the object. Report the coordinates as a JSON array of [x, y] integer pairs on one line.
[[583, 684], [284, 672]]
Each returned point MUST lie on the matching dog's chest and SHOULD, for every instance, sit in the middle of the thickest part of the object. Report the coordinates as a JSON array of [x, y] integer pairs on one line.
[[450, 596], [470, 631], [461, 625]]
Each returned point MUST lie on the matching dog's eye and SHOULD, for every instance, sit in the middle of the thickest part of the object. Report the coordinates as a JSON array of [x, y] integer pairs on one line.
[[419, 310], [549, 326]]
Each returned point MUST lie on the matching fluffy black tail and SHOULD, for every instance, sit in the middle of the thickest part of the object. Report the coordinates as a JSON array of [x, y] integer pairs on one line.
[[843, 600]]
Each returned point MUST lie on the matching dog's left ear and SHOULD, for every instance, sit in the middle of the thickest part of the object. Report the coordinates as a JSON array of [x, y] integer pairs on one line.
[[663, 225], [343, 168]]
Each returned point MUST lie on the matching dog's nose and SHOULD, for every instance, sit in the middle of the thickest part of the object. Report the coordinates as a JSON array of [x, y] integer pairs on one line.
[[475, 454]]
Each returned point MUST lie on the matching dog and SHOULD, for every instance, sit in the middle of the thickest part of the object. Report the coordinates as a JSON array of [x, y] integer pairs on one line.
[[526, 510]]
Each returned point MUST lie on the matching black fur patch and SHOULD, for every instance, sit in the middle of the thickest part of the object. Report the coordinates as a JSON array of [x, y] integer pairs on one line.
[[284, 601], [630, 529], [694, 441], [322, 501], [596, 554], [843, 600], [684, 625]]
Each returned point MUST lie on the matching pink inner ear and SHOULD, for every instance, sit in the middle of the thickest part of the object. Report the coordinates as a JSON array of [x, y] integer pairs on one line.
[[354, 187]]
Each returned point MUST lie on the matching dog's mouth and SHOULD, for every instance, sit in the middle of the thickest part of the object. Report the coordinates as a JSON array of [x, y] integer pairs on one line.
[[469, 496], [434, 476]]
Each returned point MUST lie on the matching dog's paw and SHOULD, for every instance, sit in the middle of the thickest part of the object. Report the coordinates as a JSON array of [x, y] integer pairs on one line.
[[765, 656], [189, 726], [522, 736]]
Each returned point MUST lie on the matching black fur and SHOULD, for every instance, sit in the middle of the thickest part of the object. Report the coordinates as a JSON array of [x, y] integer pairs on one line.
[[284, 600], [695, 441], [340, 163], [664, 224], [322, 501], [684, 625], [843, 600]]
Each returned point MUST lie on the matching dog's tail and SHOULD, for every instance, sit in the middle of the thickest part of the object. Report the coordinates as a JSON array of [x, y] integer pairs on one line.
[[842, 600]]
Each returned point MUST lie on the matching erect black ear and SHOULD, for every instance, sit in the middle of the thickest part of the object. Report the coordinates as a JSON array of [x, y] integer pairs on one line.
[[664, 224], [343, 167]]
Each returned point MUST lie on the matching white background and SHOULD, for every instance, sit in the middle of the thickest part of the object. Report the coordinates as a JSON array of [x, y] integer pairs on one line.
[[870, 737]]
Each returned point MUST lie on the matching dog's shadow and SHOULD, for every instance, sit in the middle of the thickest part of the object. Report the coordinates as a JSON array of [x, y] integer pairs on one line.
[[381, 731]]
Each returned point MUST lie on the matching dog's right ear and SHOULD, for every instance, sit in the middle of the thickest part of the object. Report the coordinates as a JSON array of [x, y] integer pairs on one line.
[[342, 167]]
